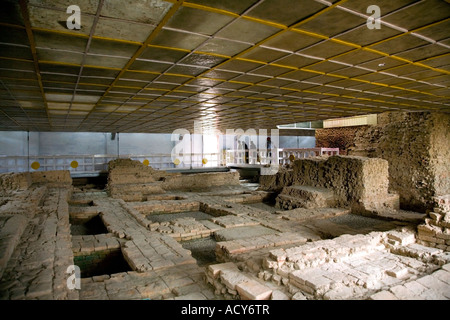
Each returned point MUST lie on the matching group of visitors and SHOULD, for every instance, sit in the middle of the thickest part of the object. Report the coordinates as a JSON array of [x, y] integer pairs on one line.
[[243, 145]]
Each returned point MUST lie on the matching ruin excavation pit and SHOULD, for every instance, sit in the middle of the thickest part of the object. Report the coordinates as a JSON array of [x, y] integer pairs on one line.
[[149, 238], [224, 150]]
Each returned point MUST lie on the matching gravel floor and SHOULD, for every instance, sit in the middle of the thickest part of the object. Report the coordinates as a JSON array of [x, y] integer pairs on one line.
[[229, 234], [263, 206], [203, 250], [197, 215], [357, 222], [92, 227]]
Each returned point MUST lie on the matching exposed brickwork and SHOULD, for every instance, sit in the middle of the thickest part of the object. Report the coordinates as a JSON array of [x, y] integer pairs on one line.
[[416, 146], [131, 180], [266, 253], [358, 182], [435, 232], [341, 138]]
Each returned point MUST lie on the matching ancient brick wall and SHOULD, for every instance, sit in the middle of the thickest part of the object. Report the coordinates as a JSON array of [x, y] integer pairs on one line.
[[52, 178], [200, 180], [131, 180], [358, 182], [22, 181], [14, 182], [341, 138], [416, 147]]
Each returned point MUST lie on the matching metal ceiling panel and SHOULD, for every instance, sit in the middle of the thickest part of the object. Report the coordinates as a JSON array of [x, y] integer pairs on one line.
[[155, 65]]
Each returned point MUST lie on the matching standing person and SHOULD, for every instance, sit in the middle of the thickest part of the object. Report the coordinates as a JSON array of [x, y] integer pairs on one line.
[[246, 151], [269, 146], [254, 153], [238, 151]]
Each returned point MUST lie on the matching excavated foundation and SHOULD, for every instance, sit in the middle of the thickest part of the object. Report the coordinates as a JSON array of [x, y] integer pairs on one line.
[[203, 250], [101, 263], [333, 235], [93, 226]]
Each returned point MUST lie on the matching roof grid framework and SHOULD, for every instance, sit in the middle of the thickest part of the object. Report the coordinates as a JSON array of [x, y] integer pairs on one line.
[[156, 65]]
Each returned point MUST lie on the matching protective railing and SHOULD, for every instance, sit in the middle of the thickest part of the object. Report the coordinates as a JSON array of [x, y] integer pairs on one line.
[[251, 156], [288, 155], [88, 164], [284, 156]]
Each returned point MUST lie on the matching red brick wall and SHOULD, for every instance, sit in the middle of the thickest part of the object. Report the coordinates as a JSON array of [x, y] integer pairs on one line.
[[341, 138]]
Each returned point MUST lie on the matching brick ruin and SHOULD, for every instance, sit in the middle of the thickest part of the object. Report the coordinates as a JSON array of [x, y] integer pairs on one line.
[[416, 146], [324, 228], [342, 138]]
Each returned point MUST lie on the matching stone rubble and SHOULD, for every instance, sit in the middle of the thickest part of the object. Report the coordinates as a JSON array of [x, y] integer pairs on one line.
[[347, 267], [305, 197], [435, 232]]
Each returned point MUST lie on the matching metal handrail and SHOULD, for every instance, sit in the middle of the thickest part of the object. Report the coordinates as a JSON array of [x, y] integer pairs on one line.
[[285, 155], [95, 163]]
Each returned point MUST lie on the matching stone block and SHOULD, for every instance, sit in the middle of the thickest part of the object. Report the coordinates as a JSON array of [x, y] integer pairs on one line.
[[318, 283], [339, 293], [192, 296], [312, 278], [427, 230], [434, 283], [100, 278], [432, 239], [161, 264], [435, 216], [232, 278], [383, 295], [397, 272], [443, 235], [39, 289], [232, 247], [298, 296], [253, 290], [180, 282], [432, 294], [403, 293], [446, 267], [215, 269], [279, 295], [14, 182], [443, 276], [52, 177], [305, 197], [404, 238], [153, 289], [415, 287]]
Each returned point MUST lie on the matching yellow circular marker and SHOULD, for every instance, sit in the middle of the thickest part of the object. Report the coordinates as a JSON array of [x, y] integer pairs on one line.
[[146, 162], [35, 165], [291, 157], [74, 164], [204, 161], [176, 162]]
